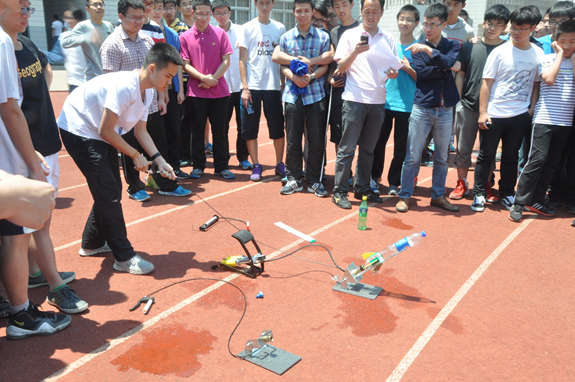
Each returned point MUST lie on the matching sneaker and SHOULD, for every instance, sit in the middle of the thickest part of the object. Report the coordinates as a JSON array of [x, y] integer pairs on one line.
[[256, 173], [66, 300], [340, 200], [281, 169], [490, 197], [516, 213], [246, 165], [508, 201], [33, 322], [284, 180], [444, 204], [461, 190], [181, 175], [451, 148], [136, 266], [226, 174], [371, 196], [185, 163], [140, 196], [478, 204], [374, 185], [291, 187], [209, 150], [541, 209], [318, 190], [196, 173], [393, 190], [180, 191], [4, 307], [402, 205], [40, 280], [92, 252], [150, 182]]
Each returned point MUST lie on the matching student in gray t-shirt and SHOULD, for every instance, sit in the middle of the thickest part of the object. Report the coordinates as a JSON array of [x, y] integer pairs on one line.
[[90, 34]]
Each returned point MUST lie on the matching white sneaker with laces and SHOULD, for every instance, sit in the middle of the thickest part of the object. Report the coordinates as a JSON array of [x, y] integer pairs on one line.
[[92, 252], [136, 266]]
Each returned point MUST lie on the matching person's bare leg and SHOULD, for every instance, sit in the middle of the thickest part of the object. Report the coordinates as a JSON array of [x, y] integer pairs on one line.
[[41, 256], [14, 267], [253, 150], [462, 172], [279, 146]]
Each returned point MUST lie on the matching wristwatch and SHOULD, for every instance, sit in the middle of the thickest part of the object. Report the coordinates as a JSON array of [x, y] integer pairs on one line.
[[312, 78]]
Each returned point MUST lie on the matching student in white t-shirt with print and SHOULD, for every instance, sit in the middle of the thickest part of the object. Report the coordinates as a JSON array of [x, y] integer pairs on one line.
[[261, 83], [506, 104], [92, 122]]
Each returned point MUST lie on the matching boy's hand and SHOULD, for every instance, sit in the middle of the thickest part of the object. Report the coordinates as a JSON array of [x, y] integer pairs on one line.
[[181, 97], [406, 64], [474, 40], [141, 163], [246, 97], [162, 107], [557, 48], [484, 120], [418, 47], [392, 73], [337, 84], [360, 47], [209, 80], [164, 169], [46, 166], [456, 67], [301, 81]]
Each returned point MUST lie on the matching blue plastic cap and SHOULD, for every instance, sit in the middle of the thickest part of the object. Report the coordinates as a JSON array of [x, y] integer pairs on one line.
[[423, 234]]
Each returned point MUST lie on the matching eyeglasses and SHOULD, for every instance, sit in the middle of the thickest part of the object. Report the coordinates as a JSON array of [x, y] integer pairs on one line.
[[221, 14], [149, 4], [409, 21], [135, 18], [97, 5], [203, 15], [431, 26], [494, 26], [520, 30], [24, 10], [332, 16], [554, 23], [158, 9], [170, 8], [317, 21]]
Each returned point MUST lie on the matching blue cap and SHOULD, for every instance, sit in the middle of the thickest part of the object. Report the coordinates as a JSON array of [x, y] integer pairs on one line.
[[423, 234]]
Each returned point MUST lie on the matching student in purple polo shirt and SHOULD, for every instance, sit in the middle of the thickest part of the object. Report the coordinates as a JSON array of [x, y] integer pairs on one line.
[[206, 52]]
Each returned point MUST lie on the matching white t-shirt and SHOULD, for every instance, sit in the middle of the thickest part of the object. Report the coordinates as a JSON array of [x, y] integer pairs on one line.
[[361, 85], [10, 88], [75, 63], [260, 39], [57, 26], [513, 71], [556, 102], [118, 92], [232, 75]]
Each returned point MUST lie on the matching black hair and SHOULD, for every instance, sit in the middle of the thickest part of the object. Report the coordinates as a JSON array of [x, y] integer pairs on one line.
[[382, 2], [310, 2], [565, 27], [89, 1], [463, 12], [525, 16], [200, 2], [332, 1], [562, 9], [123, 6], [437, 10], [537, 11], [221, 4], [55, 17], [547, 11], [321, 7], [175, 2], [77, 13], [409, 8], [161, 54], [497, 12]]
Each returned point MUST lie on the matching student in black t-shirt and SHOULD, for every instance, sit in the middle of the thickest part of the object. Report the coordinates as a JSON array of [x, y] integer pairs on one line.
[[468, 81], [35, 76]]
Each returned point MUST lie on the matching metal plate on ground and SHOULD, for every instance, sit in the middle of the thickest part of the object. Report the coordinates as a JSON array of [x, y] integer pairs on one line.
[[360, 290], [273, 359]]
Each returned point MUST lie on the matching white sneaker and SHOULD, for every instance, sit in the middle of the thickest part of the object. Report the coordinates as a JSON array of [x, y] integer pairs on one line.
[[136, 266], [92, 252]]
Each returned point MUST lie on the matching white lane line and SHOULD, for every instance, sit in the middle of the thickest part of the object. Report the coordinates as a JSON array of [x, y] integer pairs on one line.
[[70, 188], [447, 309], [63, 156], [115, 342]]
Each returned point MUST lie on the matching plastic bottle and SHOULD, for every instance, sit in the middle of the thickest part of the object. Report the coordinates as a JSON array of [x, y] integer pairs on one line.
[[362, 223]]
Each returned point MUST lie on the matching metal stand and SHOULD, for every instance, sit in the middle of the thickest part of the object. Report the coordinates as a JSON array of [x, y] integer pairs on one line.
[[271, 358], [251, 269], [350, 284]]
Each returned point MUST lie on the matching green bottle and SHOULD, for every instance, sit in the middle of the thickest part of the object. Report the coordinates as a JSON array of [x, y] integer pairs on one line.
[[362, 214]]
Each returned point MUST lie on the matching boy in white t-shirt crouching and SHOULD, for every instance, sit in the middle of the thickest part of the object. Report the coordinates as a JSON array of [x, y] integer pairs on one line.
[[92, 122]]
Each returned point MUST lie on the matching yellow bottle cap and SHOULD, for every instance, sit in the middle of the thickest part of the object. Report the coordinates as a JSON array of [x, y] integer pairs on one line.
[[364, 197]]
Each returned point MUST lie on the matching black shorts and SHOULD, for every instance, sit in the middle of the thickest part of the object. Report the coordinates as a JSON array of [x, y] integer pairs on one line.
[[9, 229], [273, 110]]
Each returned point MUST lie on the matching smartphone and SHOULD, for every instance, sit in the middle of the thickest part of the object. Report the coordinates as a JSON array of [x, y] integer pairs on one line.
[[364, 39]]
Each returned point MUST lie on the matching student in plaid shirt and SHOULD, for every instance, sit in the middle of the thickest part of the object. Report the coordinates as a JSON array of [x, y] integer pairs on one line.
[[304, 98]]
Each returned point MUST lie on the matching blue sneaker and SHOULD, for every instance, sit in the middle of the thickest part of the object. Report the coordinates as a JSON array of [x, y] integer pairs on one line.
[[452, 148], [209, 149], [140, 196], [246, 165], [180, 191], [196, 174], [318, 190], [226, 174], [431, 147], [281, 170]]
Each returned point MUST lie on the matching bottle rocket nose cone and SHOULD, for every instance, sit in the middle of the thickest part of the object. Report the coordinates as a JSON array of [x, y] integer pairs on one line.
[[423, 234]]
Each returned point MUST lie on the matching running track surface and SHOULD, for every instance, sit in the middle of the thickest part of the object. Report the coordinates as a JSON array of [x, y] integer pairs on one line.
[[480, 299]]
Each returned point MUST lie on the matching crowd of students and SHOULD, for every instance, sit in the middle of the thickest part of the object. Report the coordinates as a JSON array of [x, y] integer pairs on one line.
[[153, 87]]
